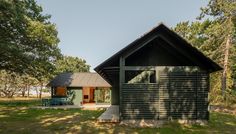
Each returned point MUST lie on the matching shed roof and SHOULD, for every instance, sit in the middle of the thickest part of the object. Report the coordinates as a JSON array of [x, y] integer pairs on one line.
[[79, 80]]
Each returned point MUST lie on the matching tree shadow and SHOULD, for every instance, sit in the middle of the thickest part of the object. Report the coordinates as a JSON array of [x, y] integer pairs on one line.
[[180, 93], [188, 93]]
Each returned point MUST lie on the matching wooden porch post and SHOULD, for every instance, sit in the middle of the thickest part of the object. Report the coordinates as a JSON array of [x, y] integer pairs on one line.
[[122, 80], [52, 92]]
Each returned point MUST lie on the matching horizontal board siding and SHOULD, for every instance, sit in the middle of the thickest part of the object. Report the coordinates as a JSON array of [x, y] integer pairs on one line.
[[188, 95], [176, 96], [202, 96], [182, 94], [164, 101], [140, 101]]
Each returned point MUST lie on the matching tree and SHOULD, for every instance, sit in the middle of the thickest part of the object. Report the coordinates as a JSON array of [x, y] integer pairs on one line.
[[28, 40], [71, 64], [224, 13], [195, 33], [214, 35], [28, 48], [28, 82], [26, 36], [10, 84]]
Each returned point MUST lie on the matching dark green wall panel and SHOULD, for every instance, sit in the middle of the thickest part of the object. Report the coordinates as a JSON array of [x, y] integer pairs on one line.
[[177, 95]]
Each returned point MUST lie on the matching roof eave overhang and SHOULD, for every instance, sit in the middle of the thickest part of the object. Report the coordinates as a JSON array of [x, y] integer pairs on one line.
[[213, 67]]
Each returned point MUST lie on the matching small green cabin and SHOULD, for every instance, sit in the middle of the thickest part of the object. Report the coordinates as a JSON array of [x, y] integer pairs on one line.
[[159, 76], [80, 88]]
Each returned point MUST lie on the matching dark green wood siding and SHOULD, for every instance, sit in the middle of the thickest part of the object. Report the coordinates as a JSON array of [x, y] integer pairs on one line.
[[177, 95], [140, 101], [188, 95], [202, 96]]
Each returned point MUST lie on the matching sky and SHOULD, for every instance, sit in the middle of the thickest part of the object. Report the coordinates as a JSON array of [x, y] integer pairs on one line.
[[94, 30]]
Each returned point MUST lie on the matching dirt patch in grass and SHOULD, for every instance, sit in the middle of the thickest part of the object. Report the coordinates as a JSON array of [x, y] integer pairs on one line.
[[223, 109]]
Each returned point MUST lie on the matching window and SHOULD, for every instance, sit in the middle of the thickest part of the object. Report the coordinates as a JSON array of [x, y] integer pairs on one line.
[[140, 76], [86, 97], [60, 91]]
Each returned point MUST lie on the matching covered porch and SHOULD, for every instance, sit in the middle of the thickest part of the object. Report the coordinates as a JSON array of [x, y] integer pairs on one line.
[[80, 96]]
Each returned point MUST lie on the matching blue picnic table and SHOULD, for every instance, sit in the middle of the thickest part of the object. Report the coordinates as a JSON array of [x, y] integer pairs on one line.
[[56, 101]]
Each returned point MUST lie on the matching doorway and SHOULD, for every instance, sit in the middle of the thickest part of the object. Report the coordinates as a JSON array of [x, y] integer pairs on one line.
[[88, 95]]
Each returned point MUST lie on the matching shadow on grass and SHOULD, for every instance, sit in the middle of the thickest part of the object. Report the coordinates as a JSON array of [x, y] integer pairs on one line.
[[17, 117]]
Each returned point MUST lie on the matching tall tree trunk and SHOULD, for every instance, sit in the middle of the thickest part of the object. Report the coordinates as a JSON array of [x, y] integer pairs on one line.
[[224, 75], [23, 92], [28, 90], [37, 92], [41, 90]]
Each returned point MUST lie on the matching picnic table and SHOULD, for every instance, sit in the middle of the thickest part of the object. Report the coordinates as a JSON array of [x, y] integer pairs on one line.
[[56, 101]]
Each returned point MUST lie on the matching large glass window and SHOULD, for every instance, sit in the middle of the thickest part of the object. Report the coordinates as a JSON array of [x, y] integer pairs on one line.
[[103, 95], [140, 76]]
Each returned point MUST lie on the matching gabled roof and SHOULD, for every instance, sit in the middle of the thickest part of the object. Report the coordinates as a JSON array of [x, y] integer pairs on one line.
[[193, 52], [78, 80]]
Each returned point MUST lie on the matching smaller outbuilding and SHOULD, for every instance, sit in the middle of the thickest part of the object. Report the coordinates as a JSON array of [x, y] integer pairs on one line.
[[81, 88]]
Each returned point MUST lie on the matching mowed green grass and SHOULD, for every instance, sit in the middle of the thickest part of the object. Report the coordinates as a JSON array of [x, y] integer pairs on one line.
[[17, 117]]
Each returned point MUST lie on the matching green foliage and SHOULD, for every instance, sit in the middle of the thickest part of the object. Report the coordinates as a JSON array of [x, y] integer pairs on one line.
[[12, 83], [28, 41], [220, 9], [217, 24], [102, 95], [28, 48], [195, 32], [71, 64]]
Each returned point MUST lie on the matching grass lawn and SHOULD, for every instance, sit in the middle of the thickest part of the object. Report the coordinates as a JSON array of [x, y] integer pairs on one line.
[[17, 117]]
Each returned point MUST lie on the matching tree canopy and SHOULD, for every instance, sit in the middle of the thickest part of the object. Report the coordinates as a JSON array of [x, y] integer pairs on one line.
[[27, 38], [214, 34], [29, 52], [71, 64]]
